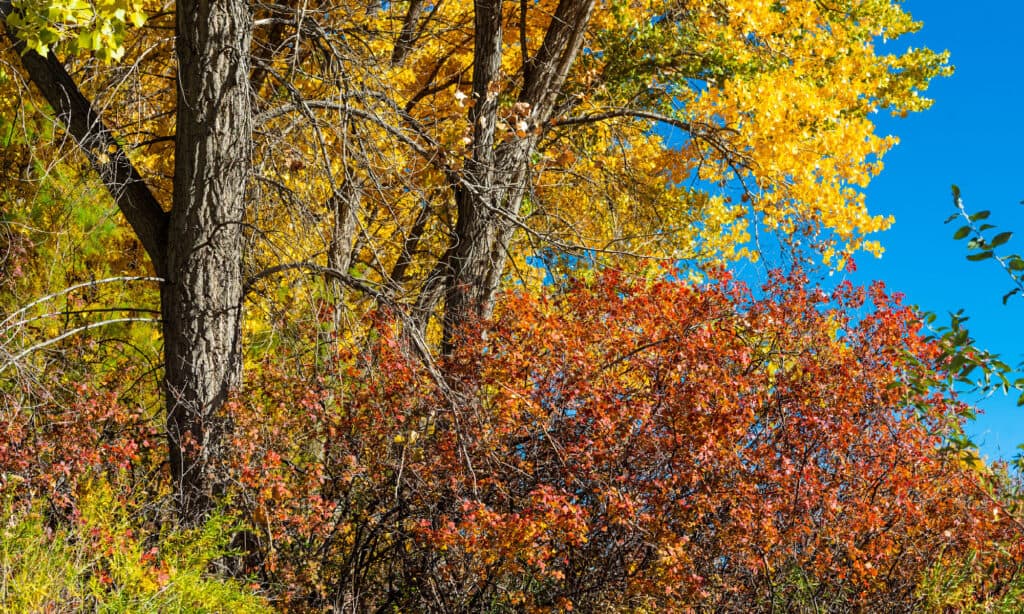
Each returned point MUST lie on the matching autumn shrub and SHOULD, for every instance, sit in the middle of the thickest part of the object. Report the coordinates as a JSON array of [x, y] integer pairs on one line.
[[104, 560], [49, 443], [971, 581], [86, 516], [625, 446]]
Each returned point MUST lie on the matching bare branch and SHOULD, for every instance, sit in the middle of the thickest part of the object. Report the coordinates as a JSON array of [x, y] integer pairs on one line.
[[74, 331], [70, 289]]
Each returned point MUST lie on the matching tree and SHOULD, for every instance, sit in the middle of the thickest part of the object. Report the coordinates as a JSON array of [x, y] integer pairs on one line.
[[414, 154], [983, 243], [196, 248], [986, 242], [201, 297]]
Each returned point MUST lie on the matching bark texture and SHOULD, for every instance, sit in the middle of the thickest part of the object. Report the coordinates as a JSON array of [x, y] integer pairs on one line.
[[496, 178], [197, 247], [202, 294]]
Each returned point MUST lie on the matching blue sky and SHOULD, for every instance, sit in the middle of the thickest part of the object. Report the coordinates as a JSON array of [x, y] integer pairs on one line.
[[973, 137]]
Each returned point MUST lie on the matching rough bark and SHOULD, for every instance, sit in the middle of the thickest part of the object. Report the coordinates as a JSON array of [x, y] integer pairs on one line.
[[202, 294], [496, 177], [469, 257], [197, 247], [407, 37], [344, 206]]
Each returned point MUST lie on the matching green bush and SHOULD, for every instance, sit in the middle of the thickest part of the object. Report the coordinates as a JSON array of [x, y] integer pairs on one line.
[[102, 562]]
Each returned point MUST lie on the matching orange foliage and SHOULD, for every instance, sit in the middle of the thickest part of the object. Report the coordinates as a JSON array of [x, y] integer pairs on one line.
[[623, 445], [48, 446]]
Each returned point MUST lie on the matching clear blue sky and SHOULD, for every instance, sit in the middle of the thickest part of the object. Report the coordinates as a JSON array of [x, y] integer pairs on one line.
[[972, 136]]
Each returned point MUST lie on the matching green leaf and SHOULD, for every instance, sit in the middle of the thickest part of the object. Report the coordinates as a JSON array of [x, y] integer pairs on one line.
[[962, 232], [981, 215], [85, 39], [956, 364], [1001, 238], [1007, 296], [1016, 263], [980, 256]]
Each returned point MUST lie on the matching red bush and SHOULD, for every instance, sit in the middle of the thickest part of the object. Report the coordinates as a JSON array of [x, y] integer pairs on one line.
[[622, 445]]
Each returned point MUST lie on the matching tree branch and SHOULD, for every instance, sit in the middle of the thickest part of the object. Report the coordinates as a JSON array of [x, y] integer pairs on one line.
[[548, 69], [74, 331], [105, 154], [409, 32]]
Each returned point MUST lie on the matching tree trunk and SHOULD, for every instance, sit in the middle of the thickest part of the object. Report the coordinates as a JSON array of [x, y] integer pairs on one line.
[[86, 127], [475, 199], [202, 295], [496, 178], [197, 248]]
